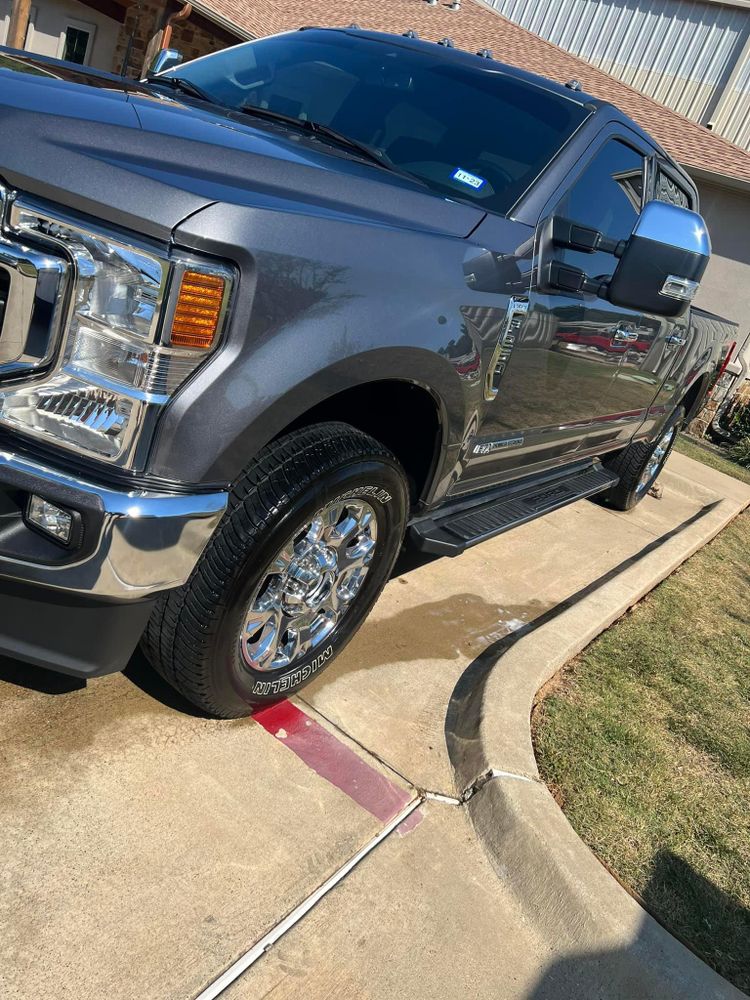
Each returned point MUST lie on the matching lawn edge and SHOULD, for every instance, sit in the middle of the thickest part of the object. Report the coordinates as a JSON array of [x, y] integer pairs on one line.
[[564, 891]]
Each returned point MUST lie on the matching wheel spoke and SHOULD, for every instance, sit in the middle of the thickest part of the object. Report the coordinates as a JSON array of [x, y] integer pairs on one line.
[[330, 521], [261, 636], [282, 561], [342, 531], [298, 637], [258, 619], [357, 556], [315, 530]]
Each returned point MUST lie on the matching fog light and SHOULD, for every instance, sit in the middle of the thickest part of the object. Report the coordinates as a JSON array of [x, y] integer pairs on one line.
[[50, 519]]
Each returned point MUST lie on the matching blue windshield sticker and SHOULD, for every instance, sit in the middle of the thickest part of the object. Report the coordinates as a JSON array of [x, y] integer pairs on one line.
[[471, 180]]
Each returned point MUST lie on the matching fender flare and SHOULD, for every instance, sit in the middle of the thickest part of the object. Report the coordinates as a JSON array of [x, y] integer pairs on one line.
[[227, 446]]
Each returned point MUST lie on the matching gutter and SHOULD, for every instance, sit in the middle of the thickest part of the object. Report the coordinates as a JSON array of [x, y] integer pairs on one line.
[[722, 180]]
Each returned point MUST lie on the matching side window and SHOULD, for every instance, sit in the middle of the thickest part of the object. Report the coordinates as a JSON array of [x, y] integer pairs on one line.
[[607, 196], [670, 191]]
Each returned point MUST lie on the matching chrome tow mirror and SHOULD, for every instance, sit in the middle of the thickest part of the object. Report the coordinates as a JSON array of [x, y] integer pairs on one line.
[[163, 60], [661, 265]]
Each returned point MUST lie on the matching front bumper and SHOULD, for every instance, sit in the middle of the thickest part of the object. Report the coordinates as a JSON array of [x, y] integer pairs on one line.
[[82, 609], [132, 543]]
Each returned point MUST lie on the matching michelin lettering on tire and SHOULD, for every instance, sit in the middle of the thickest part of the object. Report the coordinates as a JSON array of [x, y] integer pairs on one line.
[[291, 680], [373, 492]]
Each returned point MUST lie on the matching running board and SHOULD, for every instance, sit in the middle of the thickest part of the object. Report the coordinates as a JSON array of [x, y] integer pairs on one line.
[[450, 531]]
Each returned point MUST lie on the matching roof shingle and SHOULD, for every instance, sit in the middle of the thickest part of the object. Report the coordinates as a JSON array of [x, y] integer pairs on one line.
[[475, 27]]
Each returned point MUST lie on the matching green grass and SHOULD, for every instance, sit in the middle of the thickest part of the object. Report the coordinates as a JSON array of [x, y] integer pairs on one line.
[[711, 455], [645, 742]]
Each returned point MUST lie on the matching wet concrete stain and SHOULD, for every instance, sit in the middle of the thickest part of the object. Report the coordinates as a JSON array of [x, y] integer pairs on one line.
[[457, 627], [465, 707]]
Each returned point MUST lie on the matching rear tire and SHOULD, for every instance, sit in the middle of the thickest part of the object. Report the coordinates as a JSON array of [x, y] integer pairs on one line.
[[311, 533], [639, 465]]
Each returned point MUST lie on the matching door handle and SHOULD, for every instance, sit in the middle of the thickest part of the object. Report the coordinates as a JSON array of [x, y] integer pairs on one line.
[[625, 335], [676, 341]]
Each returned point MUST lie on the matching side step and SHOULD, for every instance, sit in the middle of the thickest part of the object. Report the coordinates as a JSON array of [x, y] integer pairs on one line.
[[451, 530]]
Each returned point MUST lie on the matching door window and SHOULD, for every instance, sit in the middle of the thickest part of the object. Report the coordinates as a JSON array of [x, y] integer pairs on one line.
[[607, 196]]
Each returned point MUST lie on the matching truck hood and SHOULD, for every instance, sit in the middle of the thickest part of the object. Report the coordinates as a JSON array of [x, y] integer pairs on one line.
[[135, 157]]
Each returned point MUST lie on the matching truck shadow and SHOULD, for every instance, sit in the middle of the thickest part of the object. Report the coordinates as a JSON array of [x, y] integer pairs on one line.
[[142, 675], [33, 678], [682, 905]]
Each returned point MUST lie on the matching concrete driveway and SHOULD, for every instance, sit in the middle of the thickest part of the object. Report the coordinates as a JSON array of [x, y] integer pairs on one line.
[[145, 849]]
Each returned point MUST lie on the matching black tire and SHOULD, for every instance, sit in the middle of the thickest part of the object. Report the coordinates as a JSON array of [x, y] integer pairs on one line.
[[631, 463], [193, 636]]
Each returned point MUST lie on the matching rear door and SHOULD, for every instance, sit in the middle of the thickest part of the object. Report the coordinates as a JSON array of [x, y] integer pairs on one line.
[[650, 360]]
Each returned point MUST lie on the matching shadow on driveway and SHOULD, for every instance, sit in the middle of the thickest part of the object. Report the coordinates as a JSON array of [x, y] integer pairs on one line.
[[716, 925]]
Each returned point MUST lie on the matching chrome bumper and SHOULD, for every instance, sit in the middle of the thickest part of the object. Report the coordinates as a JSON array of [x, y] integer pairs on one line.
[[134, 544]]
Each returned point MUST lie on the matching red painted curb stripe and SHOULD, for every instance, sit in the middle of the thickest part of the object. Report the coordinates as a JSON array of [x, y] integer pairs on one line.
[[333, 760]]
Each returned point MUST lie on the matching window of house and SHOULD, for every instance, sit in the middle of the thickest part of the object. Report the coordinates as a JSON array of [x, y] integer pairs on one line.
[[76, 43], [607, 196]]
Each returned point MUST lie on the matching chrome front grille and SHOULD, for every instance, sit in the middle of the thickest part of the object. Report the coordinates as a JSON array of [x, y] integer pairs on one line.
[[33, 284]]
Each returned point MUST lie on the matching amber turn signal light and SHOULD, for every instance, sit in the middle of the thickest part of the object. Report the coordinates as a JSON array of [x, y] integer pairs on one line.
[[196, 317]]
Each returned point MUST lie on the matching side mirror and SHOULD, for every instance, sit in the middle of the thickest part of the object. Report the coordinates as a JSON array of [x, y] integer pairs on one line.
[[163, 60], [662, 263]]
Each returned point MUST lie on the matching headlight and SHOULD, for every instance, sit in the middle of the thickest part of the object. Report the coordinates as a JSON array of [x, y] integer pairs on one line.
[[139, 324]]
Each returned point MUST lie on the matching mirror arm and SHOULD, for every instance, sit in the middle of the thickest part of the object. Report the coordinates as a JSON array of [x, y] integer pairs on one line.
[[566, 278], [573, 236]]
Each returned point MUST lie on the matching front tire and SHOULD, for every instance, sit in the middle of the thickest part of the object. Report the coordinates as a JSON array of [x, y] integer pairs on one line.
[[639, 465], [308, 542]]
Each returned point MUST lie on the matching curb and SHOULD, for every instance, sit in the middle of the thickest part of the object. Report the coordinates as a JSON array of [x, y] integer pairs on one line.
[[561, 887]]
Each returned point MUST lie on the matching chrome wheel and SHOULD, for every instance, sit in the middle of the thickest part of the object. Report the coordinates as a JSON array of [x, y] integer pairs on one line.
[[656, 461], [309, 586]]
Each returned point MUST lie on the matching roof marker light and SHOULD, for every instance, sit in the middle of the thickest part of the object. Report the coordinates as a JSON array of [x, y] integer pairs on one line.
[[485, 54], [447, 43], [411, 33], [574, 85]]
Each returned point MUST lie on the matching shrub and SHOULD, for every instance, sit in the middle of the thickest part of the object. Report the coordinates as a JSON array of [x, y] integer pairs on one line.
[[740, 423], [740, 452]]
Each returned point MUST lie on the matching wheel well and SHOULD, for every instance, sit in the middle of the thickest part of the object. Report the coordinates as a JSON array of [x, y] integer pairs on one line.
[[692, 396], [402, 416]]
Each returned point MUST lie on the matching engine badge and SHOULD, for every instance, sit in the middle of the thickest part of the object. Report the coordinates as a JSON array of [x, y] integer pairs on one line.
[[488, 447]]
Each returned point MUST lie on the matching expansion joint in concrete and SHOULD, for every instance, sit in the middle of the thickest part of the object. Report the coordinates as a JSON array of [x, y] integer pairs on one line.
[[490, 775]]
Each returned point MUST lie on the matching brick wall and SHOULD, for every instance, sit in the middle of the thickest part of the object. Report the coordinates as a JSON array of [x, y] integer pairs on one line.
[[699, 425], [141, 21], [195, 37], [193, 40]]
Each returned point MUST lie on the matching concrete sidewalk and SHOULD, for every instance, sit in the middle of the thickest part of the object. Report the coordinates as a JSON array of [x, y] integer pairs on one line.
[[145, 849]]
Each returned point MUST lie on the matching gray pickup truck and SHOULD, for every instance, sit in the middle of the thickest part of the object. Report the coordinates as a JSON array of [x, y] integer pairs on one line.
[[269, 315]]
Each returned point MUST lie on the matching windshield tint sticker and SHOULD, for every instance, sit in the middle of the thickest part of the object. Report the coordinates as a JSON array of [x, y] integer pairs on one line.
[[471, 180]]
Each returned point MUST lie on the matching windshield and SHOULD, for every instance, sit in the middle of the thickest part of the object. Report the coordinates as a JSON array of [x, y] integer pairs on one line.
[[469, 132]]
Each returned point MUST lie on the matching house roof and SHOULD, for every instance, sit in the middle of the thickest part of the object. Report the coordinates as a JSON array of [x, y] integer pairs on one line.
[[475, 27]]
